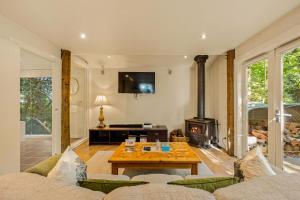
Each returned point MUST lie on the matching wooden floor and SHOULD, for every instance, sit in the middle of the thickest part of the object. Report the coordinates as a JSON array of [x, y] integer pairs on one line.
[[217, 160], [35, 150]]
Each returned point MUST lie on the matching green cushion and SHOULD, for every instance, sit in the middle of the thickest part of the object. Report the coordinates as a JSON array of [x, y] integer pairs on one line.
[[209, 184], [44, 167], [107, 186]]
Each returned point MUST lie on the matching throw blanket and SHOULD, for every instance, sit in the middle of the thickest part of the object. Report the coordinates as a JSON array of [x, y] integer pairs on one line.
[[26, 186]]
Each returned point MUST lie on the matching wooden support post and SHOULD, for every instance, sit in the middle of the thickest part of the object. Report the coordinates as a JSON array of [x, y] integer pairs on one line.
[[230, 102], [65, 105], [194, 169]]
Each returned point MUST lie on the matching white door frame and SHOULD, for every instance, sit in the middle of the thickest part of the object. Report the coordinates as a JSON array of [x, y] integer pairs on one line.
[[56, 107], [243, 137], [55, 68], [278, 101], [44, 71], [275, 89], [84, 65]]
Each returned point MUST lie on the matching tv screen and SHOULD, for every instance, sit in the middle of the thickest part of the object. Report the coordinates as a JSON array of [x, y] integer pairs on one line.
[[136, 82]]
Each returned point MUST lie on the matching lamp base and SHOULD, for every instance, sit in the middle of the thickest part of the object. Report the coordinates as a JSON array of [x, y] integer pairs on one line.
[[101, 126], [101, 118]]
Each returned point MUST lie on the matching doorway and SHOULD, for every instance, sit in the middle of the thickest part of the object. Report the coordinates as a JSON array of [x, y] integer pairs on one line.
[[288, 107], [271, 106], [36, 109], [257, 104], [78, 104]]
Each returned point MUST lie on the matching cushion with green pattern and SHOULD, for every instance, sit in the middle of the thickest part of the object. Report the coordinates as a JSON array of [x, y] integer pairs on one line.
[[44, 167], [107, 186], [209, 184]]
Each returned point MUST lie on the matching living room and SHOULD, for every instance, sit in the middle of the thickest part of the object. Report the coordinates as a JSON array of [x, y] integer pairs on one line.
[[131, 99]]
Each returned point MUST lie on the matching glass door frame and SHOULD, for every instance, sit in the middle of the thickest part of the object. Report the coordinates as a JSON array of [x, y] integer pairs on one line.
[[39, 73], [244, 101], [275, 103], [278, 98]]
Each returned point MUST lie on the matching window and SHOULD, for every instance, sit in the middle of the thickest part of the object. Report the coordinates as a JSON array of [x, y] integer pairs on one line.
[[36, 105]]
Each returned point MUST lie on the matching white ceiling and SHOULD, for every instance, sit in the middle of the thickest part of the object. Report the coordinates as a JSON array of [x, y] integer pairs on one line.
[[136, 61], [146, 27]]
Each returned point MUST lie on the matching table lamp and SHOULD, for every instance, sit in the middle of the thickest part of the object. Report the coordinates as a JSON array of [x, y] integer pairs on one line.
[[101, 100]]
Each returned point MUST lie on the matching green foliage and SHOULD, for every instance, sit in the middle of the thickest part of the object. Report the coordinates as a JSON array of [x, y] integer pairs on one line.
[[291, 76], [258, 79], [36, 104], [258, 82]]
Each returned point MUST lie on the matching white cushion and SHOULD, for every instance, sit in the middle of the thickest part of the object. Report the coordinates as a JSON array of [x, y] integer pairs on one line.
[[158, 192], [28, 186], [157, 178], [69, 169], [254, 164], [278, 187], [108, 177]]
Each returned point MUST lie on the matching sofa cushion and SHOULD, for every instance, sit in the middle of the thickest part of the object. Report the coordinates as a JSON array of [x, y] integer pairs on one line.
[[108, 177], [208, 184], [158, 192], [107, 186], [70, 168], [157, 178], [252, 165], [28, 186], [278, 187], [44, 167]]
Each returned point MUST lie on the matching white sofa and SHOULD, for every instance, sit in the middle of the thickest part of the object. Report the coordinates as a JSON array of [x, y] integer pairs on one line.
[[277, 187], [26, 186]]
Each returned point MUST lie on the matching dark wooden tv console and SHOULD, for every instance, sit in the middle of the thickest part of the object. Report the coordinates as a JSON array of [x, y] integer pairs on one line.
[[115, 134]]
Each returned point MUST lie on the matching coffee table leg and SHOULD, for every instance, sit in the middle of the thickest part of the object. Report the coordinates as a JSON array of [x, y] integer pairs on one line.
[[114, 169], [194, 169]]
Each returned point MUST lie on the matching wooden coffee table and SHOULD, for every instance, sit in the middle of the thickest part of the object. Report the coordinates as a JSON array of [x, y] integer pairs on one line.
[[180, 156]]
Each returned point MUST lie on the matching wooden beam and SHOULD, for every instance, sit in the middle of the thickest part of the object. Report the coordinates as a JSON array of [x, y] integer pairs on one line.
[[65, 106], [230, 102]]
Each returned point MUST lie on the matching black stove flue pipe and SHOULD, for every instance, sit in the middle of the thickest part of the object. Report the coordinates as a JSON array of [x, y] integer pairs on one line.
[[200, 60]]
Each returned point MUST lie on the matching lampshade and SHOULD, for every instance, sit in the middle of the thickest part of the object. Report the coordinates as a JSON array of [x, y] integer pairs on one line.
[[101, 100]]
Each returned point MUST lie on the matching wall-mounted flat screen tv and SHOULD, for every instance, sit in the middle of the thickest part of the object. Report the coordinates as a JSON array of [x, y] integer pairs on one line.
[[136, 82]]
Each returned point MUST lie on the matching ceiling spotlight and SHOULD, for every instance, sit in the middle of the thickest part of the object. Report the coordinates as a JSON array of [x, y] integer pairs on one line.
[[185, 57], [203, 36], [82, 36], [109, 57]]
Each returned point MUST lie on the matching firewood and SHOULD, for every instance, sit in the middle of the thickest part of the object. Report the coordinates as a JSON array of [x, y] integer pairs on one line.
[[294, 143]]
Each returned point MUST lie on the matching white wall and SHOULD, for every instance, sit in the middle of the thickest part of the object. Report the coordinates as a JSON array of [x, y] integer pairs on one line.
[[13, 38], [281, 32], [27, 40], [216, 95], [9, 106], [173, 102]]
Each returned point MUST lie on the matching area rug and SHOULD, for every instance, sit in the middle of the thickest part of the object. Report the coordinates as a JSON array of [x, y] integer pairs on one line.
[[98, 164]]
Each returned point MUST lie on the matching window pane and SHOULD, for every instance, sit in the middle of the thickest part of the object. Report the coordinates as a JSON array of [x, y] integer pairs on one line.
[[258, 105], [291, 102], [36, 105]]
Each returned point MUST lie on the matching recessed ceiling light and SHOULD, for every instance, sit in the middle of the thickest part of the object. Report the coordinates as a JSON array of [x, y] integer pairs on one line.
[[82, 36], [185, 57], [108, 57], [203, 36]]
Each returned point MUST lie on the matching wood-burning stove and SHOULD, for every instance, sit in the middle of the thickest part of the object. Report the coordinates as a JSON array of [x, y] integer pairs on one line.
[[201, 131]]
